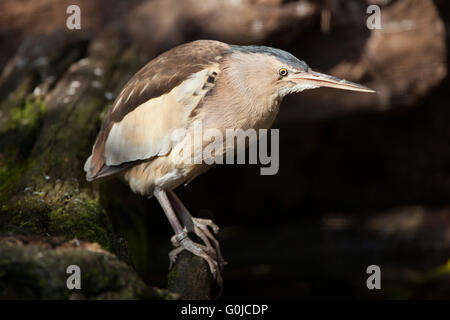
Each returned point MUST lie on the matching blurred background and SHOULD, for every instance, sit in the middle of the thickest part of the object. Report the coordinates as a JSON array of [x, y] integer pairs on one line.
[[363, 180]]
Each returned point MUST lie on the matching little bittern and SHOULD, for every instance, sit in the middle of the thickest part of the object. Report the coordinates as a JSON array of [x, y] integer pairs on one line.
[[222, 86]]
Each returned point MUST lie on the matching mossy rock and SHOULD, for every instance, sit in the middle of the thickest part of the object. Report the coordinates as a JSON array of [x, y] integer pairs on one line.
[[33, 268]]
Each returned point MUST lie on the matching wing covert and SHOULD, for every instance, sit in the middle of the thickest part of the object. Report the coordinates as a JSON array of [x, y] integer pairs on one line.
[[154, 103]]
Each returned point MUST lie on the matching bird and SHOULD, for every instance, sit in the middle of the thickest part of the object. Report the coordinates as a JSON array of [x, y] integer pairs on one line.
[[210, 82]]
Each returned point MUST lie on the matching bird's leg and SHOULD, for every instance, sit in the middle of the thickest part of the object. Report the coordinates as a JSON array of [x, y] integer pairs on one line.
[[184, 241], [198, 226], [181, 211]]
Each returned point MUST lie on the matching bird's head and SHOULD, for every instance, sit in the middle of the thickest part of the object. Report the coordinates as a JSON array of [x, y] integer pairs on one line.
[[279, 73]]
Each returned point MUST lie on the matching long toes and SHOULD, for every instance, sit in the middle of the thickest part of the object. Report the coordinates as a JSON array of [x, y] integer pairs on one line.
[[209, 252], [174, 242], [206, 253], [203, 229], [218, 278], [206, 222], [213, 267], [201, 234], [215, 270], [197, 249], [220, 259], [173, 255]]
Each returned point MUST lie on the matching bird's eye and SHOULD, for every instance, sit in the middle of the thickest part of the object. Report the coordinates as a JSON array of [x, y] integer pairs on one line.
[[283, 72]]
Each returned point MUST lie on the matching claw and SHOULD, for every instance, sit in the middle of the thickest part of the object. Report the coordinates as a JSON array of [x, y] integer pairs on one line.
[[211, 253], [202, 231], [174, 242], [199, 250], [173, 255], [208, 223]]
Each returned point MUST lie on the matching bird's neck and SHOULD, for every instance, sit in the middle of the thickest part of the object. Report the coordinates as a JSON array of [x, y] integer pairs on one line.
[[253, 102], [238, 101]]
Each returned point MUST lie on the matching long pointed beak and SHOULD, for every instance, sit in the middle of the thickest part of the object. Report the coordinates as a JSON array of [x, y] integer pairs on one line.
[[324, 80]]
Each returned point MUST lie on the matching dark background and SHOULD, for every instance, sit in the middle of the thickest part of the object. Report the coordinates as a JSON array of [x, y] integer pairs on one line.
[[364, 179]]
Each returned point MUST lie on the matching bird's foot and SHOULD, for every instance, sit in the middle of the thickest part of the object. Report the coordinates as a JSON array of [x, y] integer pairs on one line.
[[183, 242], [202, 231]]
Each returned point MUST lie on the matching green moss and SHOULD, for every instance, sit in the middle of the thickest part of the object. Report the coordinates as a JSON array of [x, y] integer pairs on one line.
[[84, 220], [172, 276], [25, 216], [32, 203], [29, 114], [438, 272], [17, 137], [10, 175], [76, 217], [103, 275]]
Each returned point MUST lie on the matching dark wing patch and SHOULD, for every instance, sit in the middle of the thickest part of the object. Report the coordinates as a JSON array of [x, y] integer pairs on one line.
[[156, 78]]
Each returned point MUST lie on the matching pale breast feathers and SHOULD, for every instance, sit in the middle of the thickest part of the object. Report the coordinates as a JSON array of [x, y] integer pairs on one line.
[[156, 101]]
